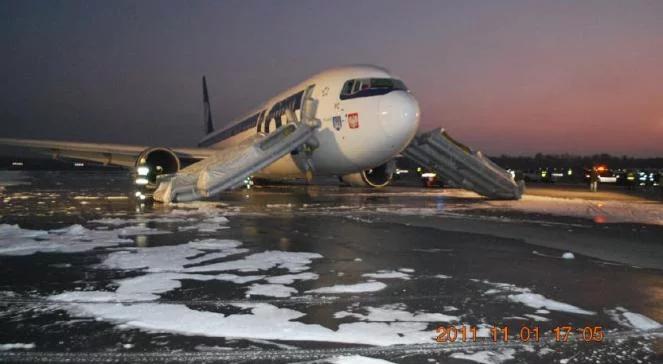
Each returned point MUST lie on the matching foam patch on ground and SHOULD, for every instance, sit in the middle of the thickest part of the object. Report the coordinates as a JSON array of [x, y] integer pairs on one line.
[[356, 359], [390, 314], [14, 178], [291, 278], [539, 301], [292, 261], [600, 211], [486, 357], [526, 297], [146, 287], [386, 274], [351, 288], [265, 321], [167, 266], [271, 290], [17, 241], [173, 258], [633, 320], [13, 346]]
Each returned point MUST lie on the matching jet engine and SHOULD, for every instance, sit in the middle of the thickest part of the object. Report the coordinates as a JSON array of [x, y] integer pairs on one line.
[[377, 177], [153, 162]]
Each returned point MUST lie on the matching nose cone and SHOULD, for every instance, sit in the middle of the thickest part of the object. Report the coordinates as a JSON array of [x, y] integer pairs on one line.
[[399, 117]]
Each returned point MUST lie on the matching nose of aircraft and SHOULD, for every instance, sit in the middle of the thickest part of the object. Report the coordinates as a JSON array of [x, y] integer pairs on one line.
[[399, 117]]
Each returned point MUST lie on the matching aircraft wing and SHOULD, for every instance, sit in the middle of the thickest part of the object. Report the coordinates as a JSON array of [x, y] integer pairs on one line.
[[116, 154], [229, 167]]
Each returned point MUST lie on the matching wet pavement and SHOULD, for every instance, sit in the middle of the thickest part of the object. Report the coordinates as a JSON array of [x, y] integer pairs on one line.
[[318, 274]]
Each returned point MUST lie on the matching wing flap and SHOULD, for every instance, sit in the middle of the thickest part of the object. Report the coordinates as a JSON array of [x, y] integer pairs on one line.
[[228, 168]]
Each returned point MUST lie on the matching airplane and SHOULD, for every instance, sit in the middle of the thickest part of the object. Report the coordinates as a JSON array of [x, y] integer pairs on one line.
[[349, 121]]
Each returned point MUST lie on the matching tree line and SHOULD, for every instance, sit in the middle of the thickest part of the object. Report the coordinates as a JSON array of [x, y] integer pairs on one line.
[[540, 160]]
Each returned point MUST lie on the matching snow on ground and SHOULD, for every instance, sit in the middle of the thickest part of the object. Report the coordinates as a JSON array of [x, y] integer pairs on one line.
[[486, 357], [5, 347], [351, 288]]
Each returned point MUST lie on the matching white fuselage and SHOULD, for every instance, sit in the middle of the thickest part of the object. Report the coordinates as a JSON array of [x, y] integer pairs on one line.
[[357, 133]]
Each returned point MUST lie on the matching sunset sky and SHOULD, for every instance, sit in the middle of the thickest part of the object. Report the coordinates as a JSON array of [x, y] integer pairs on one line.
[[515, 77]]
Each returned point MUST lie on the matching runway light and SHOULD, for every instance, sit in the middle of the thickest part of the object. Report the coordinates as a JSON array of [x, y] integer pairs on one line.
[[141, 181], [428, 175], [143, 171]]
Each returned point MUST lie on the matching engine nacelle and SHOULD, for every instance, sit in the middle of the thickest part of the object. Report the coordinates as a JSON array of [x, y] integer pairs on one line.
[[377, 177], [153, 162]]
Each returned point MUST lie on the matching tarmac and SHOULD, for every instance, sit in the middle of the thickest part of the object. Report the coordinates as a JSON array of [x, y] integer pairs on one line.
[[326, 274]]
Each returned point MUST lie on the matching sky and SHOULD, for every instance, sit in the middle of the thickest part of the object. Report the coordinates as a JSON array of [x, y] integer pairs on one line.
[[512, 77]]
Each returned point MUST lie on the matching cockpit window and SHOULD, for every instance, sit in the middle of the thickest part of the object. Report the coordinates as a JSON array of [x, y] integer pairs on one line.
[[364, 87]]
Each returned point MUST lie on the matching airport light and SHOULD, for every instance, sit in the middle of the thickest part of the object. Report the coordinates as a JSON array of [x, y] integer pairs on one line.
[[429, 175]]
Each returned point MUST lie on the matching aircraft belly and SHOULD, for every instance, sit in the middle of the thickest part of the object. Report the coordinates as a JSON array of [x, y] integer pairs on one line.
[[286, 167]]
